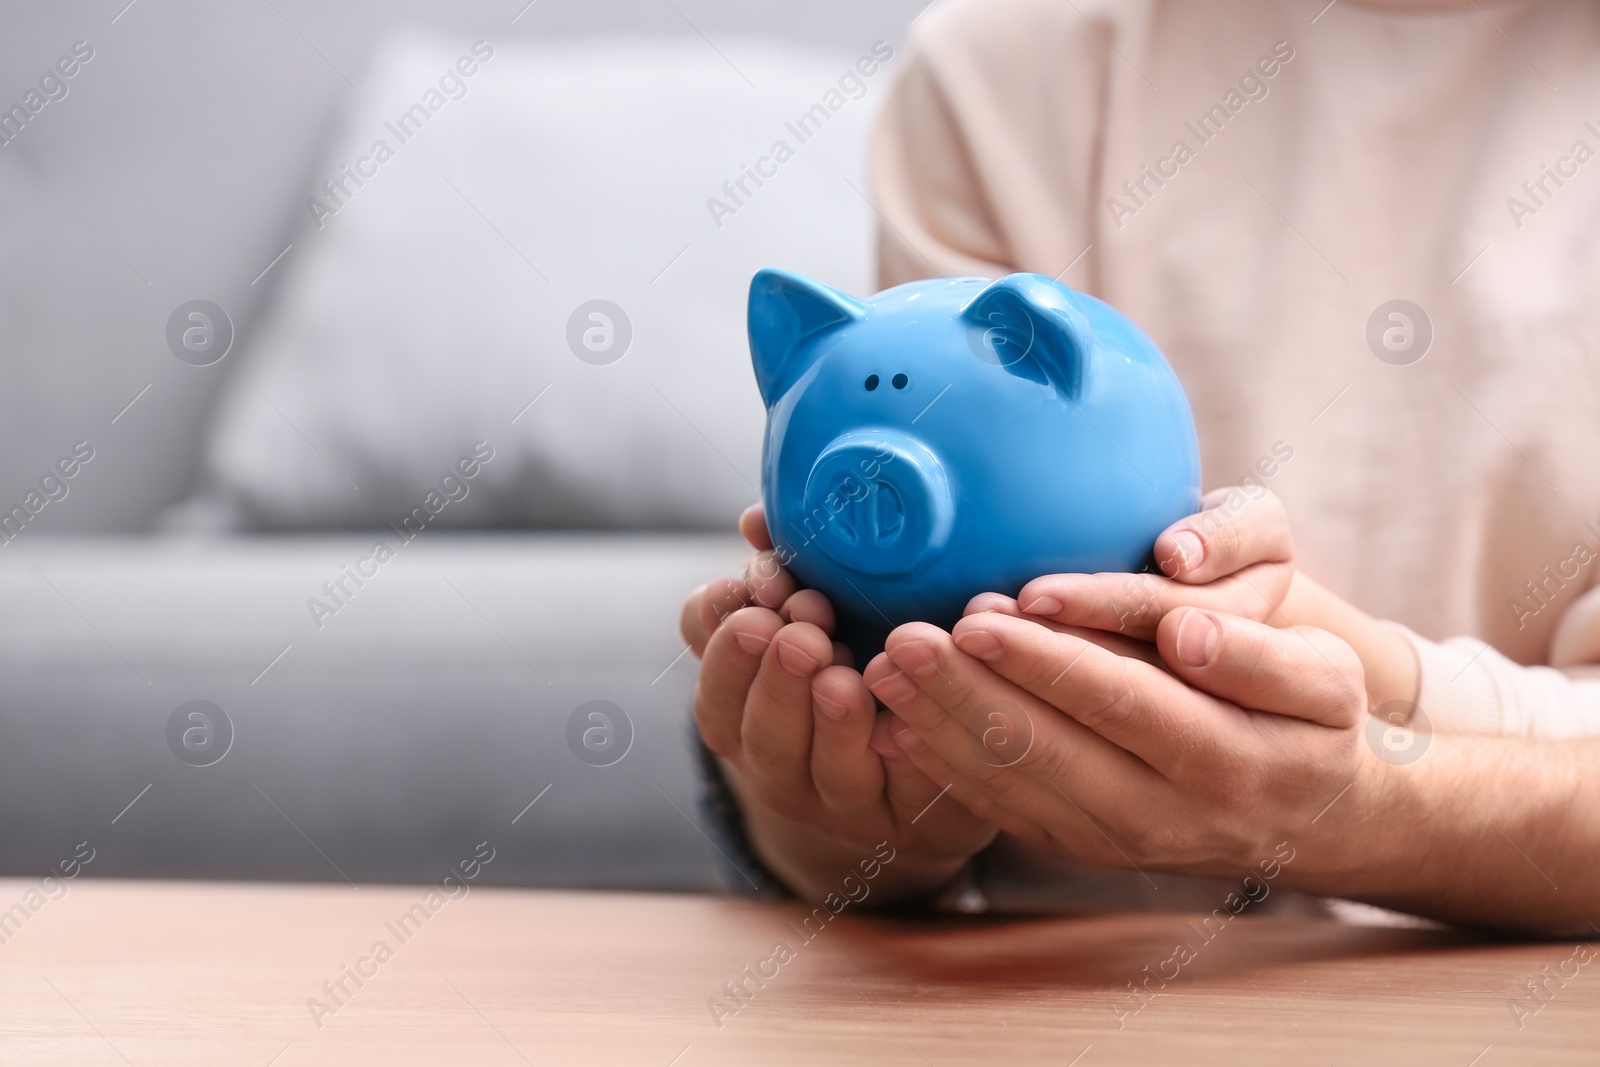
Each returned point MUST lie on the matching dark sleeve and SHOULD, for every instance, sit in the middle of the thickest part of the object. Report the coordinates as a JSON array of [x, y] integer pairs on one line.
[[742, 871]]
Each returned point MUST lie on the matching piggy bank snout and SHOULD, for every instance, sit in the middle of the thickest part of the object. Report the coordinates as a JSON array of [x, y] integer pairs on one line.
[[878, 502]]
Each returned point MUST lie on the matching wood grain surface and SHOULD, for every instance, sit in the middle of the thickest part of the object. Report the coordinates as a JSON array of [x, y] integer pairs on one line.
[[192, 973]]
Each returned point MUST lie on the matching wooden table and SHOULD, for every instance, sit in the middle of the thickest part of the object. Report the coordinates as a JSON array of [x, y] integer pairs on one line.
[[172, 974]]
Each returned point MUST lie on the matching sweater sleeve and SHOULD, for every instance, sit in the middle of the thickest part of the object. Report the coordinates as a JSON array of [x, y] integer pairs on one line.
[[1469, 688]]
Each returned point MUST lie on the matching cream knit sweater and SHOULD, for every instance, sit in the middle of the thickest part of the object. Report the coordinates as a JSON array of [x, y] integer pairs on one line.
[[1258, 183]]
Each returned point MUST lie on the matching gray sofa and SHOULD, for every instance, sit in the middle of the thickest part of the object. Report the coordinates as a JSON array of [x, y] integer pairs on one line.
[[449, 699]]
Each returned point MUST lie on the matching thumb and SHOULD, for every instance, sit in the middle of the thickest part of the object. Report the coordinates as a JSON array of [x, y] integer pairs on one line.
[[753, 527], [1235, 531], [1302, 672]]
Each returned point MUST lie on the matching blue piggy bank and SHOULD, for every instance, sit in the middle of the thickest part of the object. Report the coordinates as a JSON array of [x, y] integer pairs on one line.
[[956, 436]]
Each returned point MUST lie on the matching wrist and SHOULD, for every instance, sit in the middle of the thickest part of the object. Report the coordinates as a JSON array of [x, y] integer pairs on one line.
[[1355, 843], [1479, 831]]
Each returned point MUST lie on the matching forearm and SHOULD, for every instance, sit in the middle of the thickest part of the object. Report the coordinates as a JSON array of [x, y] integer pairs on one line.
[[1491, 832], [813, 864]]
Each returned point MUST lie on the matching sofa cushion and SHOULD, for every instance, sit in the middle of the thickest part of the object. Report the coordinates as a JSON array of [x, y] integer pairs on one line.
[[469, 223]]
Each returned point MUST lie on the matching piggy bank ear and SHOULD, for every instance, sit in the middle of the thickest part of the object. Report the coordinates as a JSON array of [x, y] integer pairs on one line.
[[1034, 327], [786, 311]]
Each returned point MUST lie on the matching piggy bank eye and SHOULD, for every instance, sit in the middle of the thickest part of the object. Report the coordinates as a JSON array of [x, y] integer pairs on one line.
[[872, 382], [900, 381]]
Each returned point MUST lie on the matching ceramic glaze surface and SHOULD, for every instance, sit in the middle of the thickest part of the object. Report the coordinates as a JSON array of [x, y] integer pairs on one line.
[[956, 436]]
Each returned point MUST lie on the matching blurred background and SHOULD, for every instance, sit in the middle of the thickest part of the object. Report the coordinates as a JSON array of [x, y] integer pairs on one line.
[[375, 388]]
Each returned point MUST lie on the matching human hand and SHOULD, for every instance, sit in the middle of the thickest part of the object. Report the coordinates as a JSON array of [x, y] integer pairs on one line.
[[801, 741], [1248, 742], [1235, 556]]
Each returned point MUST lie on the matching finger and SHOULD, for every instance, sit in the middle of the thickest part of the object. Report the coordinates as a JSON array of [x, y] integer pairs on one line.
[[775, 734], [1127, 604], [733, 656], [901, 695], [753, 527], [842, 656], [1133, 605], [920, 797], [952, 795], [1118, 643], [1049, 819], [986, 727], [770, 585], [1237, 528], [909, 791], [809, 605], [721, 599], [1125, 702], [847, 773], [1303, 672], [690, 624], [883, 731], [992, 602]]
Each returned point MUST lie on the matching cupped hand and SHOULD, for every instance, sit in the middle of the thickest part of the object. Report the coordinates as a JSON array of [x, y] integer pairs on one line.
[[799, 735], [1251, 740]]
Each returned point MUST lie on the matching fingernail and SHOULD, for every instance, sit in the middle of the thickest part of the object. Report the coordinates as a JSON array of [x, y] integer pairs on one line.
[[830, 707], [908, 741], [1045, 605], [885, 747], [1188, 549], [797, 661], [980, 643], [894, 689], [1197, 639], [754, 644], [915, 658]]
